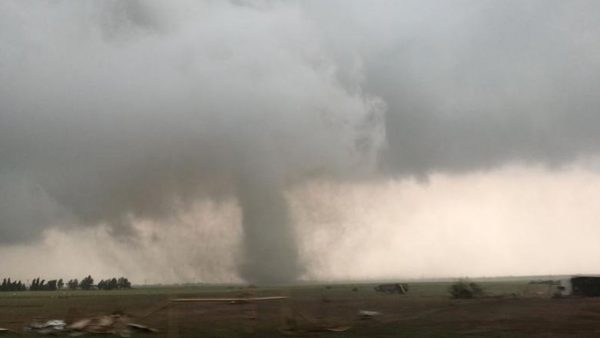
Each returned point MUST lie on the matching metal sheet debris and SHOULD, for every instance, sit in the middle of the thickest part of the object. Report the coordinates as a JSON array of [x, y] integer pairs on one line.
[[111, 324], [53, 326]]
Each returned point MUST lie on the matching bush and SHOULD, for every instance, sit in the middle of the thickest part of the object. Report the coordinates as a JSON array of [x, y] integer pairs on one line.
[[463, 289]]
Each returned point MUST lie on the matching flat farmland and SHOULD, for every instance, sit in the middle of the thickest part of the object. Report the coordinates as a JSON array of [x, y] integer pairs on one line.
[[508, 309]]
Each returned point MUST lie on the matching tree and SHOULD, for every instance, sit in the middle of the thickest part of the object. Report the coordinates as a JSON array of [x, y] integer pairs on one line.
[[34, 284], [73, 284], [123, 283], [51, 286], [86, 283], [10, 285], [112, 284]]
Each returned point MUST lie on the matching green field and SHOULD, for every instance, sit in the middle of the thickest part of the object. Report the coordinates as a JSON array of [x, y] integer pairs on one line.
[[508, 309]]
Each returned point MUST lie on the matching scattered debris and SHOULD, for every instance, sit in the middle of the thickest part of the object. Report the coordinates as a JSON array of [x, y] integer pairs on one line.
[[338, 328], [366, 314], [113, 324], [399, 288], [315, 328], [54, 326], [235, 300], [141, 328], [300, 324]]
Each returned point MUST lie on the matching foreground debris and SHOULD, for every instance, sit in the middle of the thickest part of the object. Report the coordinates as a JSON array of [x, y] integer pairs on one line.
[[6, 331], [342, 328], [231, 300], [366, 314], [301, 324], [141, 328], [111, 324], [51, 327], [293, 331]]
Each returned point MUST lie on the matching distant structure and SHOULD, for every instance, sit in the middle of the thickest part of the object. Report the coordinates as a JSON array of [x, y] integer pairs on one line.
[[585, 286], [399, 288], [588, 286]]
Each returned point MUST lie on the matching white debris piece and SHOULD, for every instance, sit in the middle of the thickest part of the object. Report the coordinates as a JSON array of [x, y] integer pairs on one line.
[[53, 326], [141, 328], [365, 314]]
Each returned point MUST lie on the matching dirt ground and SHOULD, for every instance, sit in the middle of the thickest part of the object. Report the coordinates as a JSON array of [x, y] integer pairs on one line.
[[509, 309]]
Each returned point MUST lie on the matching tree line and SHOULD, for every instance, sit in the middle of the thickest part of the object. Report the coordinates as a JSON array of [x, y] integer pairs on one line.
[[86, 283]]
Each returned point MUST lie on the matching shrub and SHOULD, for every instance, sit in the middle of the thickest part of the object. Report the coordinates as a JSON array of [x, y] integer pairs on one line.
[[463, 289]]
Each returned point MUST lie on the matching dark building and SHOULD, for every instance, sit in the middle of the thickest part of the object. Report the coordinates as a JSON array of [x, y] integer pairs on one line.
[[585, 286]]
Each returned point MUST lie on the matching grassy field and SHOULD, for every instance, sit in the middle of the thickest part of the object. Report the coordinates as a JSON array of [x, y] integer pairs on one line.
[[509, 309]]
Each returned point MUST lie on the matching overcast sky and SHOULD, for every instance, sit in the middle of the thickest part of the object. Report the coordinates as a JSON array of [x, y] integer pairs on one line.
[[272, 141]]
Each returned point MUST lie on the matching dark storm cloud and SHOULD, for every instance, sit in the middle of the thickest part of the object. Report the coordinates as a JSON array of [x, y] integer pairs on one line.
[[487, 83], [112, 112]]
